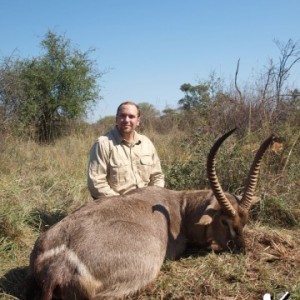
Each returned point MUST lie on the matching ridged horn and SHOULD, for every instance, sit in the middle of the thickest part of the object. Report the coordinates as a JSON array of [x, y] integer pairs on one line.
[[251, 180], [212, 176]]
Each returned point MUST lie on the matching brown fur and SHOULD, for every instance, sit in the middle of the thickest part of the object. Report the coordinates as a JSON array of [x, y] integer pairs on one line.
[[123, 241]]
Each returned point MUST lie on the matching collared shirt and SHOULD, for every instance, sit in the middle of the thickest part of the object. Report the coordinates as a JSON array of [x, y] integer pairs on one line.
[[117, 167]]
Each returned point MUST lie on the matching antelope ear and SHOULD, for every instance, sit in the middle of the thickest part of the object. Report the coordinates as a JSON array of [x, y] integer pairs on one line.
[[239, 197], [205, 220], [255, 199], [210, 210], [207, 216]]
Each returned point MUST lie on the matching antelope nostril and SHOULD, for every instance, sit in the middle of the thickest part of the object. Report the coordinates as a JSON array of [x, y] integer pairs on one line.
[[214, 246]]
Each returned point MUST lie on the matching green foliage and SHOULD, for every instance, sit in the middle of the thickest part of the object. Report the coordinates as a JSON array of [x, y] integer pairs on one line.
[[104, 125], [277, 184], [188, 173], [196, 97], [148, 115], [54, 88], [275, 212], [199, 97]]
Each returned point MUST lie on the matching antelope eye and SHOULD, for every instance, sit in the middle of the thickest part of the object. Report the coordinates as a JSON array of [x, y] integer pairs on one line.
[[224, 223]]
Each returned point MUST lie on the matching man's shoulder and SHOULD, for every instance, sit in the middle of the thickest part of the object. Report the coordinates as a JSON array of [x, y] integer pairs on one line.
[[108, 137], [144, 139], [103, 141]]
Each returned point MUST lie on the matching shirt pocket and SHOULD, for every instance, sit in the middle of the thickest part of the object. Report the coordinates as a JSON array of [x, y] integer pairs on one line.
[[118, 172], [145, 167]]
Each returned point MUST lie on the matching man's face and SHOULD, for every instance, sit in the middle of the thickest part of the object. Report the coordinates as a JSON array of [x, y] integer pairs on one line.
[[127, 119]]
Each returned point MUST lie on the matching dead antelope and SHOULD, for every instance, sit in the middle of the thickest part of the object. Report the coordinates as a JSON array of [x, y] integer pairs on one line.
[[115, 246]]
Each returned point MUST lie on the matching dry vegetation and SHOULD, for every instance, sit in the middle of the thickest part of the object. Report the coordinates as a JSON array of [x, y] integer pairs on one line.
[[40, 184]]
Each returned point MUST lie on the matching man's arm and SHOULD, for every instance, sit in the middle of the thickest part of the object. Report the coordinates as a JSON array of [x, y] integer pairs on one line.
[[156, 177], [97, 171]]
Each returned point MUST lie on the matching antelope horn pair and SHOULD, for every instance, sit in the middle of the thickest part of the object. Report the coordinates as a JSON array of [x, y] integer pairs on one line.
[[251, 180]]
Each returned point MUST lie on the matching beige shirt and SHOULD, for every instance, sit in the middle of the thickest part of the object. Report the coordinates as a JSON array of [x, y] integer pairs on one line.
[[117, 167]]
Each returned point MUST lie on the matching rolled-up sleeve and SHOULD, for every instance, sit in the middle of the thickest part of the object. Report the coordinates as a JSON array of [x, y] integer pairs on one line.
[[98, 170]]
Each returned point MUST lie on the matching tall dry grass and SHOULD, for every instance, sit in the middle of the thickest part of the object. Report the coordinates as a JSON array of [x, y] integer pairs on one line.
[[40, 184]]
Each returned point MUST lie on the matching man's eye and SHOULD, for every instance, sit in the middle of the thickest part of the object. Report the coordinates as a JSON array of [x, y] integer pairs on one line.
[[127, 116]]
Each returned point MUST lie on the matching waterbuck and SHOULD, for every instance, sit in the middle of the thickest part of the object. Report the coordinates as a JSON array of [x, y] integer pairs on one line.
[[115, 246]]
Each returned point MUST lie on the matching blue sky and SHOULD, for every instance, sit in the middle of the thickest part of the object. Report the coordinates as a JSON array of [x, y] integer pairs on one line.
[[152, 47]]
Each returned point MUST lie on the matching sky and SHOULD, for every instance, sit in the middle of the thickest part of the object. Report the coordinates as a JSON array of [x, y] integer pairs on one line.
[[148, 49]]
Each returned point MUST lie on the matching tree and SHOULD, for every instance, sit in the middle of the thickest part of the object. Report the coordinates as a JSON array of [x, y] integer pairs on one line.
[[104, 124], [169, 120], [149, 114], [11, 88], [59, 86], [195, 106], [196, 97], [199, 97], [290, 55]]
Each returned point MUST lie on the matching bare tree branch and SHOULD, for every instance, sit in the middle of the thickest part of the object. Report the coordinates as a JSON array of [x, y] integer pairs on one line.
[[235, 79]]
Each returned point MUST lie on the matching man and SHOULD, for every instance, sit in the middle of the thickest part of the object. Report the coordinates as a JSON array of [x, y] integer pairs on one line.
[[122, 159]]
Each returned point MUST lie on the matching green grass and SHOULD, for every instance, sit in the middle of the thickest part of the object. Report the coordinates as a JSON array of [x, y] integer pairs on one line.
[[40, 184]]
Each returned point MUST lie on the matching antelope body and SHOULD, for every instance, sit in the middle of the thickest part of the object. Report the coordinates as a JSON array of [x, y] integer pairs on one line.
[[115, 246]]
